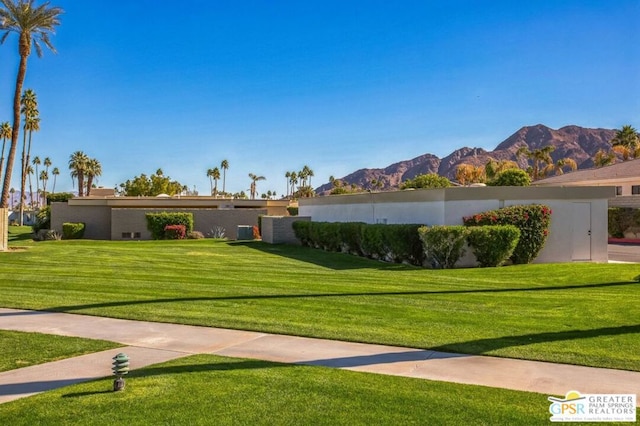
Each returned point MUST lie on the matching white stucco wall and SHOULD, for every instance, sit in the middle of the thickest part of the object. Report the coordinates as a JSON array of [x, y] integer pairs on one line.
[[449, 206]]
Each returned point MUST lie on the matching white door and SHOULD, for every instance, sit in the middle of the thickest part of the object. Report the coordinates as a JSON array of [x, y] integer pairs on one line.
[[581, 231]]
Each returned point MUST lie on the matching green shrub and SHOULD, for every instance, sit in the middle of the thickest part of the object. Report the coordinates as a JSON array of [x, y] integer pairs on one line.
[[351, 237], [293, 211], [443, 245], [403, 243], [43, 219], [621, 219], [328, 236], [493, 245], [429, 180], [532, 220], [372, 241], [302, 231], [72, 230], [156, 222], [511, 177], [59, 197]]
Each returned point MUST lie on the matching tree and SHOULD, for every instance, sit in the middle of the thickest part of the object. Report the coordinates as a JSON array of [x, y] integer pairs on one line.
[[29, 108], [511, 177], [466, 174], [627, 142], [210, 176], [43, 177], [5, 133], [559, 166], [151, 186], [293, 181], [12, 191], [29, 172], [602, 158], [253, 188], [78, 166], [93, 170], [36, 162], [430, 180], [493, 167], [538, 157], [287, 176], [33, 25], [224, 165], [47, 164], [216, 177], [55, 172]]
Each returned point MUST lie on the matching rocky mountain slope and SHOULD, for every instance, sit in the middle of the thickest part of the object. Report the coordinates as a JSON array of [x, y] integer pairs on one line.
[[574, 142]]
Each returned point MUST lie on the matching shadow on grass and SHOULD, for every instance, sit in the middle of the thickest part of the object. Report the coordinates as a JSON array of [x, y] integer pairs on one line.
[[20, 236], [325, 259], [68, 308], [481, 346]]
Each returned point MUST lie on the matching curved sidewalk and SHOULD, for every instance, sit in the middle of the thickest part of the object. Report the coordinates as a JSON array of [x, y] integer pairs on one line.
[[148, 343]]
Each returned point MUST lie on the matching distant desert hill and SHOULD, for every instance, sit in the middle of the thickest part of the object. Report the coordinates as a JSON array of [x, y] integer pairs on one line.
[[574, 142]]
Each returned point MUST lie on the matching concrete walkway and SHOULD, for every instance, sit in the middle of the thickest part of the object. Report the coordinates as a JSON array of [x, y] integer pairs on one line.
[[149, 343]]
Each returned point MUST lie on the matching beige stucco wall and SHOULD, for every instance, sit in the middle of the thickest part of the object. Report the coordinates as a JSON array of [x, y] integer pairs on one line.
[[4, 229], [448, 207], [97, 219], [132, 220], [279, 230]]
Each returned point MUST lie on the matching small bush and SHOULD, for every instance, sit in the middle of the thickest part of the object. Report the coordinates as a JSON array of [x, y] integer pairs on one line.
[[443, 245], [217, 232], [293, 211], [72, 230], [511, 177], [174, 232], [43, 219], [622, 218], [493, 245], [195, 235], [532, 220], [256, 232], [156, 222]]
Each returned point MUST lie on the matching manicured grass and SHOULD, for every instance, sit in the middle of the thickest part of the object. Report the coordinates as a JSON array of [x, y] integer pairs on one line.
[[585, 314], [20, 235], [206, 389], [24, 349]]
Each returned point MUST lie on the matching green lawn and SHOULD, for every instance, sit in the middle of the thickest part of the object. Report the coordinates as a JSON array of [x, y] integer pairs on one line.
[[24, 349], [208, 390], [585, 314]]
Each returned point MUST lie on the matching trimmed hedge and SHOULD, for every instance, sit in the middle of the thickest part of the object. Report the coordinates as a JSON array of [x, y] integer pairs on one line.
[[443, 245], [175, 232], [493, 245], [59, 197], [622, 218], [532, 220], [293, 211], [391, 243], [72, 230], [156, 222]]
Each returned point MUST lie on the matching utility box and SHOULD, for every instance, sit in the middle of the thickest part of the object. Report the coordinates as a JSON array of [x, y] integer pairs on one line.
[[245, 232]]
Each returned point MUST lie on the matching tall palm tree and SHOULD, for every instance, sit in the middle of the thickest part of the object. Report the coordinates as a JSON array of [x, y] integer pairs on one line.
[[210, 176], [224, 165], [287, 175], [36, 162], [47, 163], [43, 177], [33, 25], [215, 174], [78, 164], [93, 169], [29, 108], [5, 133], [293, 180], [29, 172], [253, 188], [538, 158], [55, 172], [12, 191]]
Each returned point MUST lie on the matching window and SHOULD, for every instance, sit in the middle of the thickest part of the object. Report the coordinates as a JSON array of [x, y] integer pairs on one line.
[[635, 189], [136, 235], [127, 235], [618, 190]]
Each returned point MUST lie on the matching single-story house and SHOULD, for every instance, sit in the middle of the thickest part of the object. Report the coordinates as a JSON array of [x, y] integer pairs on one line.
[[625, 177], [578, 230], [123, 218]]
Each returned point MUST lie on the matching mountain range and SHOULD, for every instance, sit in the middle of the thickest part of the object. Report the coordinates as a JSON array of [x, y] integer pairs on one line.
[[575, 142]]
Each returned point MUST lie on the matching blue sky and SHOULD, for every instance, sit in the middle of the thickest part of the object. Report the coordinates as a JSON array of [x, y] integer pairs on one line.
[[336, 85]]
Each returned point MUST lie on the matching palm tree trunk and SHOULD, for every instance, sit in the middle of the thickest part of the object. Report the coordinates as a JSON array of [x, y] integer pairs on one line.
[[22, 71], [53, 190], [89, 184], [80, 183], [30, 191]]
